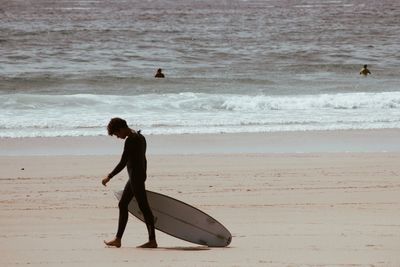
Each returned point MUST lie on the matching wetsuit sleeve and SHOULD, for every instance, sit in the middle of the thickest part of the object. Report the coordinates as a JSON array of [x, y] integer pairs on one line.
[[122, 163]]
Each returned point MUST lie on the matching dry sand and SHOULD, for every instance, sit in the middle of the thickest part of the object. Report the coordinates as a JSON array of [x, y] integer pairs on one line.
[[283, 209]]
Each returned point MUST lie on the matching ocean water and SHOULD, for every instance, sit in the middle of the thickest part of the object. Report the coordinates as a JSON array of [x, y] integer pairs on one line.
[[68, 66]]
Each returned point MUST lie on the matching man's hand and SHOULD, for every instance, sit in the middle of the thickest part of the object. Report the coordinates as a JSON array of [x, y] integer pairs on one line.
[[105, 180]]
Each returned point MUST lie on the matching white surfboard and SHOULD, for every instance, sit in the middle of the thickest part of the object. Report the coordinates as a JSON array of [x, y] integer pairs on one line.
[[181, 220]]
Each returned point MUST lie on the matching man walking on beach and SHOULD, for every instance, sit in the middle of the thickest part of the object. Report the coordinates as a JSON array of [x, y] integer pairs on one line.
[[134, 158]]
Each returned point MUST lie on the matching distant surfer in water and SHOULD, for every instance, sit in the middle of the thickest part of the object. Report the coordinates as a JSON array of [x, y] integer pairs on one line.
[[159, 74], [365, 71], [134, 158]]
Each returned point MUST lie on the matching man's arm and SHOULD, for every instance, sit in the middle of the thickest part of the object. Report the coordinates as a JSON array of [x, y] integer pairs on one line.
[[120, 166]]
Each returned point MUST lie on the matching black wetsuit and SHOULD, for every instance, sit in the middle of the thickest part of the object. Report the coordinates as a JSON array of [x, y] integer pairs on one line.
[[134, 158]]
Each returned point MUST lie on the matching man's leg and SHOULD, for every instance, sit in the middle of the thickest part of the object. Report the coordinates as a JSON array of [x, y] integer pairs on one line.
[[141, 198], [126, 197]]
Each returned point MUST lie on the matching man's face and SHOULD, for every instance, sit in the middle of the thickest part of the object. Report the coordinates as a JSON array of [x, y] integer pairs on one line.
[[120, 134]]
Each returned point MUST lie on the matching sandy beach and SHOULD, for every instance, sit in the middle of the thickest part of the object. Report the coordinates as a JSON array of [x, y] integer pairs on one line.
[[334, 202]]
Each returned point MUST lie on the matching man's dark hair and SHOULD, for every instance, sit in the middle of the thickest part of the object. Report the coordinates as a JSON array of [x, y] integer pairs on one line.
[[115, 125]]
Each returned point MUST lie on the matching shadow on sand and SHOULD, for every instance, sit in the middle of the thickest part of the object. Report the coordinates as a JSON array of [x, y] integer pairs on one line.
[[196, 248]]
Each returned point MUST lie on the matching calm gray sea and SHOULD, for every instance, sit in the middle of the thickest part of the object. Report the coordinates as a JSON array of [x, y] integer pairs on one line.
[[67, 66]]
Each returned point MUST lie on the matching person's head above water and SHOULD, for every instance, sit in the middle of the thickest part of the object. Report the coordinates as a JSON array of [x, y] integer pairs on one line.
[[159, 74]]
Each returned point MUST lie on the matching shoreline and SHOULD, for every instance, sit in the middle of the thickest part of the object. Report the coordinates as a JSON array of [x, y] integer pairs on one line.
[[335, 141]]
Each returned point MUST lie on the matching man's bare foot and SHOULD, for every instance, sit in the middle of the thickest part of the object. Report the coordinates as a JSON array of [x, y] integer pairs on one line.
[[150, 244], [116, 242]]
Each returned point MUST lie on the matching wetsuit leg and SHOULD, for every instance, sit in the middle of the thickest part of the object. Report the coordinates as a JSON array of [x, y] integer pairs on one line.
[[141, 198], [126, 197]]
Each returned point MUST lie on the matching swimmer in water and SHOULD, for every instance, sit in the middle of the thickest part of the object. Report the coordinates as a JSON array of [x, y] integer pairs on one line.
[[159, 74], [365, 71]]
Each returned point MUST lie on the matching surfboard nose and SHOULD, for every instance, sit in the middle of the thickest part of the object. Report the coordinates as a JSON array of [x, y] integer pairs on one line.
[[228, 241]]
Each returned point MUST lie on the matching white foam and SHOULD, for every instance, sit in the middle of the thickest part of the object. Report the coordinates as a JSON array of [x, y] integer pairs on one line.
[[25, 115]]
